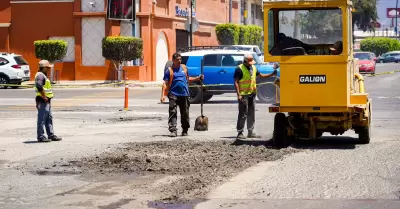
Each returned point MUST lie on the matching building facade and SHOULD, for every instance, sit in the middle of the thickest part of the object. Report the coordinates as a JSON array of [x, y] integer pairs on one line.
[[251, 12], [83, 24]]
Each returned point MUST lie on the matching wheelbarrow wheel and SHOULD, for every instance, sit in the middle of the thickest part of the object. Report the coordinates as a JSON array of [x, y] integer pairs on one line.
[[280, 138]]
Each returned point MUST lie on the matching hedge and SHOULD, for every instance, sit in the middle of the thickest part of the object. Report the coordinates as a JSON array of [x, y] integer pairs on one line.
[[379, 45], [227, 34], [244, 35], [234, 34], [51, 50], [122, 48]]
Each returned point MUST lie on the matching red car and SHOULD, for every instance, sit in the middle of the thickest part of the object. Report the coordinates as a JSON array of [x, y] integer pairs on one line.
[[366, 62]]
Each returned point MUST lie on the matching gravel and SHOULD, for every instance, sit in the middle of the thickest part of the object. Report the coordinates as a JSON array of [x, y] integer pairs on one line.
[[197, 166]]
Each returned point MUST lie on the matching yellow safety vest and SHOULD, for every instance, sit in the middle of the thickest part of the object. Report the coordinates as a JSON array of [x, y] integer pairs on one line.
[[47, 87], [247, 85]]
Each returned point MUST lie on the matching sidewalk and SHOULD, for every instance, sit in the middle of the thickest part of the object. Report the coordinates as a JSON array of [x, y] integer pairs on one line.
[[97, 83]]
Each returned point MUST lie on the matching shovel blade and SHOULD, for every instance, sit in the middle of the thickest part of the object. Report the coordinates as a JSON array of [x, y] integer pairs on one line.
[[201, 123]]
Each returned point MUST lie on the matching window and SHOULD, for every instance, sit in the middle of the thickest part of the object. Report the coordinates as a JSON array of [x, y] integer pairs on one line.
[[20, 60], [271, 31], [259, 12], [306, 32], [362, 56], [253, 14], [3, 61], [210, 60], [185, 59], [231, 60]]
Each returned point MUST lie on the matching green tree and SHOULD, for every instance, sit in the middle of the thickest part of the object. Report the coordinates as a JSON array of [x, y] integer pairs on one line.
[[51, 50], [365, 14], [121, 48], [323, 24]]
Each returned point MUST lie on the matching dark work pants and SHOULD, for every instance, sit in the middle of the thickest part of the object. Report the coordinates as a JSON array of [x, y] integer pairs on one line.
[[247, 109], [184, 105]]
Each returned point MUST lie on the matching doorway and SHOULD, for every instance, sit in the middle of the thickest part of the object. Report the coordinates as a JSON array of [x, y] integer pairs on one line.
[[182, 40]]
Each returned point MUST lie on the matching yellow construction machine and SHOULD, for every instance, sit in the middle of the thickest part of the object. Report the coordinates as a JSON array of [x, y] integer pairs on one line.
[[320, 88]]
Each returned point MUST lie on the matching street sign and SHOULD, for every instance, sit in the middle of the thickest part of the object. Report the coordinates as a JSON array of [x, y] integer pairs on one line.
[[392, 12], [121, 10], [195, 25]]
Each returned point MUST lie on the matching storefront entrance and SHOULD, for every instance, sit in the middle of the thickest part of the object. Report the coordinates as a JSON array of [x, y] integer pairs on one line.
[[182, 40]]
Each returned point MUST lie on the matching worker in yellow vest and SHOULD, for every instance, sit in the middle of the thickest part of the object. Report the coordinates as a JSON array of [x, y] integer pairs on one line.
[[246, 89], [44, 94]]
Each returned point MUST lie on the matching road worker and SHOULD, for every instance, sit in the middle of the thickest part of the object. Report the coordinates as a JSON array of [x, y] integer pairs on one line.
[[337, 48], [246, 89], [44, 95], [176, 87]]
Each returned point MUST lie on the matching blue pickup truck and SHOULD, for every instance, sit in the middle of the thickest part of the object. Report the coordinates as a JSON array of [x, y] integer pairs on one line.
[[219, 67]]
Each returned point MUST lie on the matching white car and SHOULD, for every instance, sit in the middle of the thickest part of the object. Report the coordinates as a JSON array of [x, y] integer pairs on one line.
[[14, 69], [251, 48]]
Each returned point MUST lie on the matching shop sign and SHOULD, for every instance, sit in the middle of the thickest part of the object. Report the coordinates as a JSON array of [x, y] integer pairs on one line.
[[183, 12]]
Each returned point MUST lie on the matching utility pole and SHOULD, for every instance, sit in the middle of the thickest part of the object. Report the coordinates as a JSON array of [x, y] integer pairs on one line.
[[230, 11], [396, 27], [190, 24]]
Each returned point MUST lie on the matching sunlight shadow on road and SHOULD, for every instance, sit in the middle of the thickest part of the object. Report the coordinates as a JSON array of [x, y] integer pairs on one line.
[[327, 142], [31, 142]]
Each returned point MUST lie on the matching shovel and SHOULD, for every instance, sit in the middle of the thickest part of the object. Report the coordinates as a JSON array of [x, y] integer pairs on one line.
[[201, 123]]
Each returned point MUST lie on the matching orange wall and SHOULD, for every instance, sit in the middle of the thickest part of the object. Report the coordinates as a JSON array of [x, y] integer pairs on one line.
[[31, 22], [5, 11], [37, 21]]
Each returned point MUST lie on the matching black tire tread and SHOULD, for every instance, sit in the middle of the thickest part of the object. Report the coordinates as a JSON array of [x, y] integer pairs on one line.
[[280, 138]]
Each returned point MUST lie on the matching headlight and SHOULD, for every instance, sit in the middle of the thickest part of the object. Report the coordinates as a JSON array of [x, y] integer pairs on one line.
[[370, 65]]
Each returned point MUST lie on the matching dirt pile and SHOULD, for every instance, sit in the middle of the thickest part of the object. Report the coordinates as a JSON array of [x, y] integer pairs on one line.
[[197, 165]]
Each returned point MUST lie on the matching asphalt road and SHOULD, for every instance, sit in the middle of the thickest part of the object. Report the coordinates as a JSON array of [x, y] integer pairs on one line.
[[335, 173]]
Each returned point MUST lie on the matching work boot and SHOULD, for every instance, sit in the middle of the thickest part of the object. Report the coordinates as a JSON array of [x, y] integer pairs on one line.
[[253, 135], [240, 136], [43, 139], [184, 133], [173, 134], [55, 138]]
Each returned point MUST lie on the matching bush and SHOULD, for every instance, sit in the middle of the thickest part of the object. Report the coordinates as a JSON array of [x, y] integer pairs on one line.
[[255, 33], [51, 50], [227, 34], [379, 45], [233, 34], [244, 35], [122, 48]]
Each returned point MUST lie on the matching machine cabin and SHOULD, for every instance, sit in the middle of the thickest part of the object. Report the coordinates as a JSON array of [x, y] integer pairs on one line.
[[312, 41]]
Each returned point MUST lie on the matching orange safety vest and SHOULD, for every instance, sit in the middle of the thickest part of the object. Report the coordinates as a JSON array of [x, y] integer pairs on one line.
[[171, 76]]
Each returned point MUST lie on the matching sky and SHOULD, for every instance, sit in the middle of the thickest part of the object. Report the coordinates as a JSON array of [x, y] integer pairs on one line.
[[381, 6]]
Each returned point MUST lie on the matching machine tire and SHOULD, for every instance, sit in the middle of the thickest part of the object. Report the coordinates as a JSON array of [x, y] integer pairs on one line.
[[280, 138], [266, 94], [364, 133]]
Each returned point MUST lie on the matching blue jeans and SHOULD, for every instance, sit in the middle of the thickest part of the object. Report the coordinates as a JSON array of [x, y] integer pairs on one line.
[[45, 118]]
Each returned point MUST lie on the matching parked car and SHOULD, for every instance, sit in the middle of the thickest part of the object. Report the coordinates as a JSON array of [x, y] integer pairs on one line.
[[373, 56], [366, 62], [389, 57], [251, 48], [14, 69], [218, 67]]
